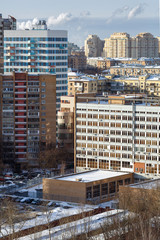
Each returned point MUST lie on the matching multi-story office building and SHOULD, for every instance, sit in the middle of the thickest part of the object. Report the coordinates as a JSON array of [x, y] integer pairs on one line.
[[122, 45], [93, 46], [5, 24], [38, 51], [27, 116], [118, 133]]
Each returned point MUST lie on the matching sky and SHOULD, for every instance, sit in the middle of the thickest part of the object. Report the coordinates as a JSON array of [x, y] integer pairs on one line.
[[83, 17]]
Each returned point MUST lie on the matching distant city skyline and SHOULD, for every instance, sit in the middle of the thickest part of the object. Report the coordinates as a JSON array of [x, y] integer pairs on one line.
[[87, 17]]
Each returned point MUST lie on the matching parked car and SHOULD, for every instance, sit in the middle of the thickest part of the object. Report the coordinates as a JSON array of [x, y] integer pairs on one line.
[[29, 200], [36, 202]]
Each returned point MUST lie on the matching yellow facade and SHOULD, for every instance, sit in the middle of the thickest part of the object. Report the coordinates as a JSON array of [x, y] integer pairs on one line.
[[146, 84]]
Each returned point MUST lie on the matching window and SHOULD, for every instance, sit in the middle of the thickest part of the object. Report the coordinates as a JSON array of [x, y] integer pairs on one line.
[[112, 187], [104, 189], [128, 180], [89, 192], [96, 191]]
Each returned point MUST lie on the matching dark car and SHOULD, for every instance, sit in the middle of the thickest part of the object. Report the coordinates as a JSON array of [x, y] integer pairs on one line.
[[29, 200], [36, 202]]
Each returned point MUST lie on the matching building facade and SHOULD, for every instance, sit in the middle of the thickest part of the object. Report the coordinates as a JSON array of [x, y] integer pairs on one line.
[[88, 84], [93, 46], [5, 24], [145, 84], [121, 45], [65, 122], [144, 45], [134, 70], [38, 51], [118, 135], [88, 187], [117, 46], [28, 116], [77, 60]]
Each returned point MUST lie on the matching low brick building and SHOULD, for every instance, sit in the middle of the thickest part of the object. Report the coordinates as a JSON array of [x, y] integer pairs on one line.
[[86, 187]]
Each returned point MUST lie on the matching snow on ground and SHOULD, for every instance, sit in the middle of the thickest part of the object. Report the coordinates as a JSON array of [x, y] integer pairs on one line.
[[66, 231], [45, 217]]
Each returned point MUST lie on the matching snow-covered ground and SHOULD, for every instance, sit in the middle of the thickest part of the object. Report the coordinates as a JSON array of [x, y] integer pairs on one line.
[[48, 216], [66, 231]]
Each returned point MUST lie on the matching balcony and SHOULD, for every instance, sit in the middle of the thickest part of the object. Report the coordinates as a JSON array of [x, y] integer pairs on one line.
[[21, 160], [18, 92], [20, 116], [20, 135], [20, 86], [20, 146], [20, 141], [18, 110], [18, 153], [20, 104], [20, 98], [20, 123]]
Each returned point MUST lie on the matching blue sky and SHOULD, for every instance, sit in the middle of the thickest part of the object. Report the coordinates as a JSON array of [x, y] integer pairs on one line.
[[85, 17]]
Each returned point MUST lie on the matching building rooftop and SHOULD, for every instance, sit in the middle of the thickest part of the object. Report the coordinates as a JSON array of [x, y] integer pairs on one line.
[[150, 184], [90, 176], [74, 74]]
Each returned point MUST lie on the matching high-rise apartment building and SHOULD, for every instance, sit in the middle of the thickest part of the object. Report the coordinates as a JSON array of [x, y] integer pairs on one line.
[[93, 46], [38, 51], [120, 133], [27, 116], [144, 45], [117, 46], [5, 24], [121, 45]]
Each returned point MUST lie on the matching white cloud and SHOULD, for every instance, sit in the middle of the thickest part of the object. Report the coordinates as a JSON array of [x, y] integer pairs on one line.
[[27, 24], [117, 12], [135, 11], [62, 18]]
